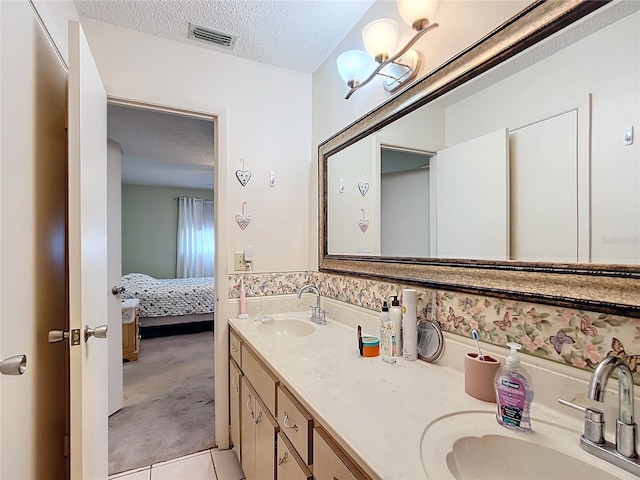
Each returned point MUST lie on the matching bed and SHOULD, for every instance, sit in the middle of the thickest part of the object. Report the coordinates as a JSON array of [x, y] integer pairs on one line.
[[170, 301]]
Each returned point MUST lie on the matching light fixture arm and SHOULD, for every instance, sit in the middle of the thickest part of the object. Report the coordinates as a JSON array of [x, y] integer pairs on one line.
[[392, 59]]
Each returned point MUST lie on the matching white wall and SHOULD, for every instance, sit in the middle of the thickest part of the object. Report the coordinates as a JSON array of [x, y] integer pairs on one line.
[[269, 125]]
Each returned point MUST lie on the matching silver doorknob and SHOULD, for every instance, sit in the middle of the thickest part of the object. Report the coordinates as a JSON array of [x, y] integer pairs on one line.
[[15, 365], [117, 290], [56, 336], [98, 332]]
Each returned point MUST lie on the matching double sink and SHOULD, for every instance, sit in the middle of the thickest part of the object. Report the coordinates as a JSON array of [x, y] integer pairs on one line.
[[470, 444]]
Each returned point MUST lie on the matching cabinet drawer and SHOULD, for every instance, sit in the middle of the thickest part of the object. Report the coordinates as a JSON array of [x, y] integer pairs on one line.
[[261, 379], [234, 347], [296, 423], [290, 466], [330, 463]]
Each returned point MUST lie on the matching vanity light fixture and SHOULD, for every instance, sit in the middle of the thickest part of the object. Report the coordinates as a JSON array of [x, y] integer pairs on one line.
[[380, 37]]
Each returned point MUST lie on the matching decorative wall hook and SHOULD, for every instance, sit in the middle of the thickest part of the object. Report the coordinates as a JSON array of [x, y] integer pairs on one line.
[[363, 223], [243, 175], [241, 219]]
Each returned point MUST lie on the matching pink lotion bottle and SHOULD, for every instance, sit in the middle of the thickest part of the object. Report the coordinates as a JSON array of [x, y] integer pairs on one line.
[[243, 301]]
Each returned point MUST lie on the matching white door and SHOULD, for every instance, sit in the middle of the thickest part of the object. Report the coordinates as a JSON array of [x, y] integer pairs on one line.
[[472, 198], [88, 288], [544, 205], [114, 273]]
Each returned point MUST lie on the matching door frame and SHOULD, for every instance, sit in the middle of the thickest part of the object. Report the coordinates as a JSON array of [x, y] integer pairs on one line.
[[221, 217]]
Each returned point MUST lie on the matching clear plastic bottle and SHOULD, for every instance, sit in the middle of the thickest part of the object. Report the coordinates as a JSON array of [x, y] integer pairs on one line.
[[387, 336], [395, 314], [514, 393]]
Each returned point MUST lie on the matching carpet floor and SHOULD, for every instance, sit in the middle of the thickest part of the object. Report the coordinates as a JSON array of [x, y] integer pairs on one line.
[[168, 407]]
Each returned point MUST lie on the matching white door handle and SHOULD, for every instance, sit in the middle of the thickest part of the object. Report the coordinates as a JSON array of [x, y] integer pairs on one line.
[[15, 365], [98, 332]]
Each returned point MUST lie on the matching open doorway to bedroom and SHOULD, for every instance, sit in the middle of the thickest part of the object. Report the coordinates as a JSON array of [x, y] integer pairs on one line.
[[166, 353]]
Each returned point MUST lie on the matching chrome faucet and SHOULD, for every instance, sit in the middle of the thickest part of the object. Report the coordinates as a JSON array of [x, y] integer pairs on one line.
[[623, 454], [625, 426], [317, 314]]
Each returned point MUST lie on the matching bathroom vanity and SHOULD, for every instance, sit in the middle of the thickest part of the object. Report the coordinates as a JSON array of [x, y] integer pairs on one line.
[[305, 405]]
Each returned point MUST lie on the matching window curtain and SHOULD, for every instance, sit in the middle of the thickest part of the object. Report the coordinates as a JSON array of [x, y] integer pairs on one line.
[[195, 246]]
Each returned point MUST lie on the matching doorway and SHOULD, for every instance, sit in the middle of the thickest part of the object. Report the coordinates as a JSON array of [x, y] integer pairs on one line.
[[168, 388]]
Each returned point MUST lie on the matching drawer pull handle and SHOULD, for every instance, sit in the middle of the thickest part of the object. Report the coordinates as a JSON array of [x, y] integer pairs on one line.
[[283, 459], [234, 349], [258, 417], [249, 409], [284, 421], [234, 381]]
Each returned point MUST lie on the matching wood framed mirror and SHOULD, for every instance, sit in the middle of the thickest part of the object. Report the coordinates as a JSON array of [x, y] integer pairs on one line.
[[604, 273]]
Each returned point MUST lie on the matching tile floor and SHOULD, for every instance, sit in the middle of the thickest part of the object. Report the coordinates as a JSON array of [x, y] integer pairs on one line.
[[205, 465]]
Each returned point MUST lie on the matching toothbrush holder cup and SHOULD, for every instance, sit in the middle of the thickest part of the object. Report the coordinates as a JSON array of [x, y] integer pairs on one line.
[[479, 376]]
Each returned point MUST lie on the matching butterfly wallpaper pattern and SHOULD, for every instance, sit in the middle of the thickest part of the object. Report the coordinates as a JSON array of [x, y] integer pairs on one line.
[[572, 337]]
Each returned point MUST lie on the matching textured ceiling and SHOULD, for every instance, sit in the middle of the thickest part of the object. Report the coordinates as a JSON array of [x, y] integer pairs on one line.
[[294, 34], [162, 149]]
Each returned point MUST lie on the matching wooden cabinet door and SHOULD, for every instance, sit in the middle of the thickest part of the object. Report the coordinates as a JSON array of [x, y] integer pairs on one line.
[[290, 465], [234, 406], [328, 463], [266, 429], [247, 430]]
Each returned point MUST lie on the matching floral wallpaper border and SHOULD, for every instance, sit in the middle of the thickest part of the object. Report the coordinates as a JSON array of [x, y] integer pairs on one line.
[[576, 338]]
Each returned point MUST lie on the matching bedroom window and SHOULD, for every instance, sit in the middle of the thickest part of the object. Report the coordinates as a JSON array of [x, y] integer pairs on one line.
[[195, 246]]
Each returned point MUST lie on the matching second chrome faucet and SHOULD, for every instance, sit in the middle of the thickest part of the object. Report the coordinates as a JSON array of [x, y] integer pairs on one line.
[[318, 315]]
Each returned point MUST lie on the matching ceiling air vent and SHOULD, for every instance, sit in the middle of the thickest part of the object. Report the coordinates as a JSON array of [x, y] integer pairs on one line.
[[212, 36]]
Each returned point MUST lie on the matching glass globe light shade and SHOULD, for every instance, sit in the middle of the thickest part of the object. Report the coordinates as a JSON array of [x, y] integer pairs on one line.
[[380, 37], [354, 66], [415, 10]]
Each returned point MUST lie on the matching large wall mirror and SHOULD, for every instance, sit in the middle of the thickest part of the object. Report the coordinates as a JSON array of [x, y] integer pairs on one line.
[[513, 170]]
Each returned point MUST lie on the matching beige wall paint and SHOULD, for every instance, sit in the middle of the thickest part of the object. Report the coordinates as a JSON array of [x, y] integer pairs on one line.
[[149, 228]]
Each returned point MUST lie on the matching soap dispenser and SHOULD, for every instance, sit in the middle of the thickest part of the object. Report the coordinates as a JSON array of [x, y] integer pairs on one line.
[[513, 393]]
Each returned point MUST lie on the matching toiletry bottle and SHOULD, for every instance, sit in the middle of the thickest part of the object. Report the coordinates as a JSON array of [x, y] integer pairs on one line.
[[387, 336], [410, 324], [395, 314], [243, 301], [513, 393]]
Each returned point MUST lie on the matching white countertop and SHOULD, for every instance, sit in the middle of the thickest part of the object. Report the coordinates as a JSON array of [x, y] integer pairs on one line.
[[379, 411]]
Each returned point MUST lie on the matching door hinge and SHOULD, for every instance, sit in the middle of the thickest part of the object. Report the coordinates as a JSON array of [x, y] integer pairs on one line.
[[67, 445]]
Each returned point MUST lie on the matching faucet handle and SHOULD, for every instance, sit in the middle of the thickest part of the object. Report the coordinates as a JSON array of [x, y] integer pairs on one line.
[[593, 421]]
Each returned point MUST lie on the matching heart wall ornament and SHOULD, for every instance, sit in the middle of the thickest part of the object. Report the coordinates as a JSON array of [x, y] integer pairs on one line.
[[243, 175], [363, 187], [363, 223], [241, 219]]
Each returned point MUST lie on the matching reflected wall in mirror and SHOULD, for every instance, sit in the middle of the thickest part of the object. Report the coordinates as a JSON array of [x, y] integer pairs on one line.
[[530, 160], [553, 214]]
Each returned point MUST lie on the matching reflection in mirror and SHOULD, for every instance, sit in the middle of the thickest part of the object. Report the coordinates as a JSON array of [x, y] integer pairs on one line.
[[531, 166], [404, 202]]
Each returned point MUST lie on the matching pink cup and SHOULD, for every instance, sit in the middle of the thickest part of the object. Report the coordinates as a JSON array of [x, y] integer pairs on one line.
[[479, 376]]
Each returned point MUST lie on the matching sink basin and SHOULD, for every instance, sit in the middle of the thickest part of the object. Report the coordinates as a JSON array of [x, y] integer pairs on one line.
[[287, 327], [471, 445]]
